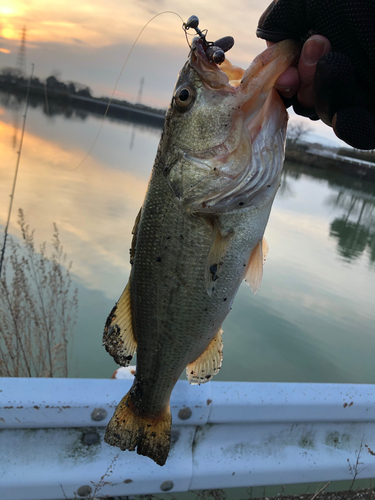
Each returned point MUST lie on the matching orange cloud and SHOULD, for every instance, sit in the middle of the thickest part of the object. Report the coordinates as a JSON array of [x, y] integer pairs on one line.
[[98, 23]]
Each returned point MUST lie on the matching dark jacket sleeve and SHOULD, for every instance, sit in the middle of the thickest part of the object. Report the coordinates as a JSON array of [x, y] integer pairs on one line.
[[344, 86]]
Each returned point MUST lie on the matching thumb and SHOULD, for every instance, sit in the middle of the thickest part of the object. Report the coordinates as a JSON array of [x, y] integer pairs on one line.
[[314, 48]]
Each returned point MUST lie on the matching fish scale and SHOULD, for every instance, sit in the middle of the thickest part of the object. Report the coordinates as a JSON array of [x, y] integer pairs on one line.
[[189, 238]]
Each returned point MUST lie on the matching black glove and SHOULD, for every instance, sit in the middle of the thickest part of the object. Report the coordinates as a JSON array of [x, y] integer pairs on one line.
[[344, 85]]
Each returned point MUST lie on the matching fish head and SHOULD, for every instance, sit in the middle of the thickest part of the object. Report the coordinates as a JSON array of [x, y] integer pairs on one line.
[[226, 130]]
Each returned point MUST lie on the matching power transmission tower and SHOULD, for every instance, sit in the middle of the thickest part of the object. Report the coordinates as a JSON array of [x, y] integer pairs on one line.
[[21, 57]]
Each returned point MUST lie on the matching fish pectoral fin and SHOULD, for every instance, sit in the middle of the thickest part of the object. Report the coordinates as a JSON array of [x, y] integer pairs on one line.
[[208, 364], [150, 434], [118, 337], [254, 269], [265, 249], [216, 255]]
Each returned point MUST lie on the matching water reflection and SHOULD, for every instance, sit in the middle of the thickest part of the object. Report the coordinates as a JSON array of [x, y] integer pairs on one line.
[[299, 327], [17, 102], [16, 114], [82, 109], [95, 205], [354, 228], [354, 231]]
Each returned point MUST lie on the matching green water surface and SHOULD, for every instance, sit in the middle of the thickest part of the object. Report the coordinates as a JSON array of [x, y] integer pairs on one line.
[[313, 317]]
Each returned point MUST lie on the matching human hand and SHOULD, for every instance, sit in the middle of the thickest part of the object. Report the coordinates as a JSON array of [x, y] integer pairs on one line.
[[334, 79], [299, 81]]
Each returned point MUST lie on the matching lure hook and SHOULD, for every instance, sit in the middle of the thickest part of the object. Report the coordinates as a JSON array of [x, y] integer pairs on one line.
[[215, 51]]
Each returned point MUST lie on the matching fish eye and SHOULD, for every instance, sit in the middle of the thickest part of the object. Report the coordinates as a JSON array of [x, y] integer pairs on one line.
[[183, 96]]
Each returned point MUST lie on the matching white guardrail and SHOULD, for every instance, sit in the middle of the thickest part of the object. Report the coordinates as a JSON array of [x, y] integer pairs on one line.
[[225, 434]]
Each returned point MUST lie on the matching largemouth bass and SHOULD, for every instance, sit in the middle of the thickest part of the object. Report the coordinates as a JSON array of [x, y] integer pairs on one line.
[[197, 236]]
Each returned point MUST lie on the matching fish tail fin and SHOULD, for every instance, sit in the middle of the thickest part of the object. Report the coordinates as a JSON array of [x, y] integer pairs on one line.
[[151, 435]]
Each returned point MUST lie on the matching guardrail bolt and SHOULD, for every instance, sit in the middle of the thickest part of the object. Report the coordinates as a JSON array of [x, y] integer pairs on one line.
[[84, 491], [166, 486], [98, 414], [90, 438], [185, 413]]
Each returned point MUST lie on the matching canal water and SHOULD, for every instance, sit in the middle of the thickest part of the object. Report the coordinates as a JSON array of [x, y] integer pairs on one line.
[[313, 317]]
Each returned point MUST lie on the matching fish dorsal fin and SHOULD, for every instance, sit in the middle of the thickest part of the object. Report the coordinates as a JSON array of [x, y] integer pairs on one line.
[[254, 270], [215, 258], [209, 362], [118, 337]]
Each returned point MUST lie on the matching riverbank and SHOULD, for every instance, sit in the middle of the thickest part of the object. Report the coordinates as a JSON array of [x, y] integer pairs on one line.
[[47, 96], [330, 161], [122, 110]]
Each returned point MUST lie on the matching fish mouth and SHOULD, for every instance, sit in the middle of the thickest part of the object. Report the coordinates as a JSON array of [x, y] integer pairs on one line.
[[251, 86], [250, 158], [226, 76]]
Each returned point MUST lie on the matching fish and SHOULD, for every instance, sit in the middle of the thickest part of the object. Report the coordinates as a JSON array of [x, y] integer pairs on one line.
[[198, 235]]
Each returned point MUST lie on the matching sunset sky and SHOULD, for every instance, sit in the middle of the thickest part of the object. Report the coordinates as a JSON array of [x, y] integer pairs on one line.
[[88, 42]]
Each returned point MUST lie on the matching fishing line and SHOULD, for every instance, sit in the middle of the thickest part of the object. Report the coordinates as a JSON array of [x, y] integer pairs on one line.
[[16, 173], [118, 79]]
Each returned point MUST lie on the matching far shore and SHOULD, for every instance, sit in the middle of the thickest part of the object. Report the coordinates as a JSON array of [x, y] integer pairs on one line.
[[301, 153], [330, 161], [82, 99]]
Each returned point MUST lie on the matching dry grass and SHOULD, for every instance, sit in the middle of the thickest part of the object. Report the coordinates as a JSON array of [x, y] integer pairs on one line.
[[37, 308]]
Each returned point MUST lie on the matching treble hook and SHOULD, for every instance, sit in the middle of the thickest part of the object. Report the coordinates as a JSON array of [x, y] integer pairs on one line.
[[215, 51]]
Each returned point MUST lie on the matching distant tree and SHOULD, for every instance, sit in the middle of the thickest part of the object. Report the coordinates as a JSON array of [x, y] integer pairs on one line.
[[51, 81], [295, 132], [55, 84], [12, 76], [71, 88], [84, 92], [35, 82], [14, 72]]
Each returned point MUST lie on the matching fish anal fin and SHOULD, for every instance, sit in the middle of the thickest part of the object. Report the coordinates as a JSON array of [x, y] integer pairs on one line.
[[128, 429], [118, 337], [209, 362], [216, 256], [254, 269]]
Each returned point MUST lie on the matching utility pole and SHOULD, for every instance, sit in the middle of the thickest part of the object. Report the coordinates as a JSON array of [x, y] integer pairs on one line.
[[139, 98]]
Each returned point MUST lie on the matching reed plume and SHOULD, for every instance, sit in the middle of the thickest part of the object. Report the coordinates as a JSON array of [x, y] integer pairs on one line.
[[38, 308]]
